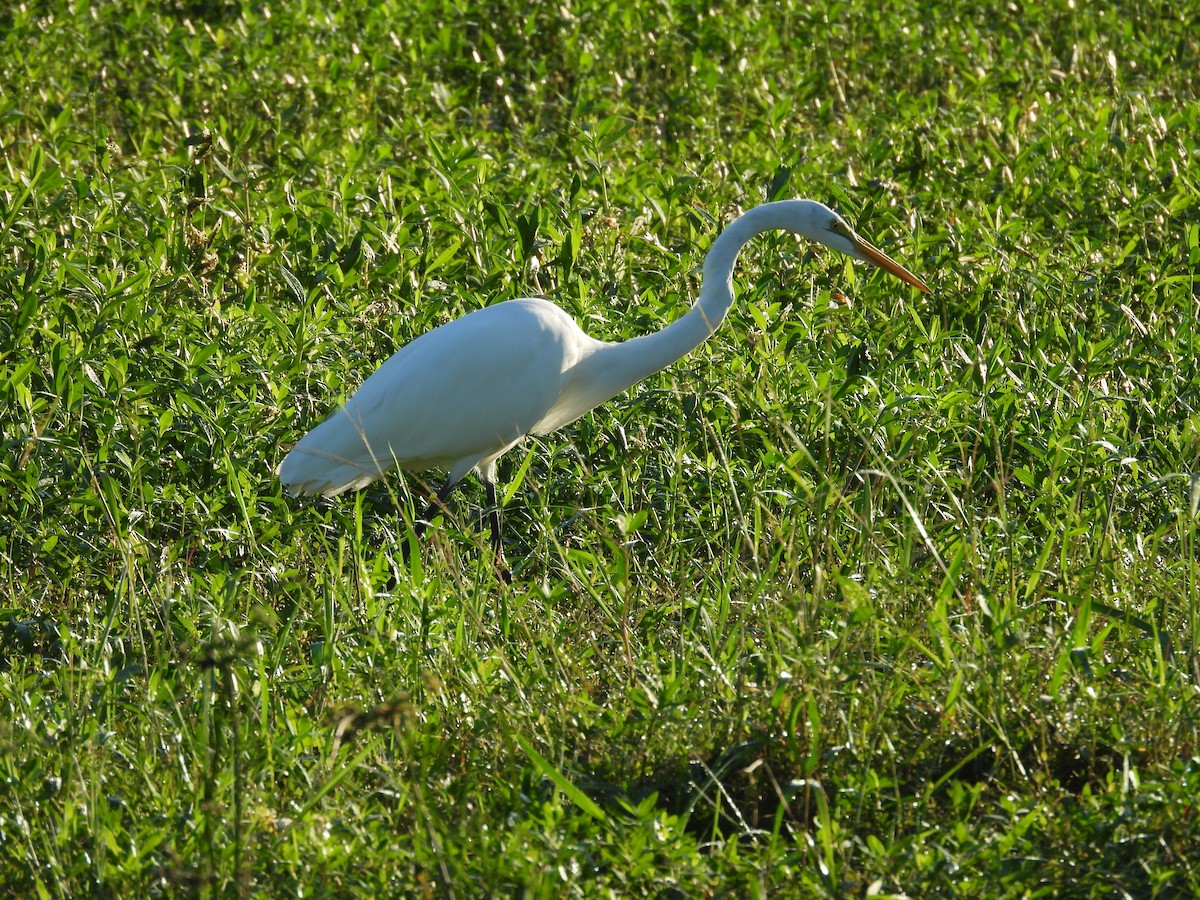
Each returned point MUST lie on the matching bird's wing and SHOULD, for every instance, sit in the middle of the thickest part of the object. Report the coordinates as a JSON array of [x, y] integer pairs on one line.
[[459, 394]]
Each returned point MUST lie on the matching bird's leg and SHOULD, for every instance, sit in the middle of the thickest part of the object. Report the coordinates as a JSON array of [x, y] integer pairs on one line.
[[436, 504], [418, 528], [423, 520], [497, 541]]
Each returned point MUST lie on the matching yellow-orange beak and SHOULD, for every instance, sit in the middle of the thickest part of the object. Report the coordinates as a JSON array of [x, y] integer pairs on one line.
[[878, 257]]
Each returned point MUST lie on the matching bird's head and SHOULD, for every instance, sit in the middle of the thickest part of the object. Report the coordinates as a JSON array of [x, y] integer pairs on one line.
[[833, 231]]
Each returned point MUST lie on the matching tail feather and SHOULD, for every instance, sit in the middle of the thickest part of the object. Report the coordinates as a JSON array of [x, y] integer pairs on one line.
[[306, 471]]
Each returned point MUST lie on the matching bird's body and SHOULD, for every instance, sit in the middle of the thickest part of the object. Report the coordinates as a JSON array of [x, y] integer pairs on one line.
[[459, 396], [456, 398]]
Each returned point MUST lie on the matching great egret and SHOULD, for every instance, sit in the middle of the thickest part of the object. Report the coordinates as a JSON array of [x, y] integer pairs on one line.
[[459, 396]]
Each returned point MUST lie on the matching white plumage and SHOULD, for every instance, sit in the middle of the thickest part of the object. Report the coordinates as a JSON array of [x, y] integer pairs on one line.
[[458, 397]]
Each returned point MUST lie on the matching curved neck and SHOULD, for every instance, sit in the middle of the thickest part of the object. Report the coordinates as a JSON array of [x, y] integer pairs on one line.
[[616, 367]]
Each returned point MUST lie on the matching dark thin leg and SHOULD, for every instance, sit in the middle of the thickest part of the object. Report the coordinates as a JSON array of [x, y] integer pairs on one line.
[[419, 526], [422, 522], [436, 504], [497, 540]]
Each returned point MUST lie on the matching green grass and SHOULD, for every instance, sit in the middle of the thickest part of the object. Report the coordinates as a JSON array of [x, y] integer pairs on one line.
[[895, 596]]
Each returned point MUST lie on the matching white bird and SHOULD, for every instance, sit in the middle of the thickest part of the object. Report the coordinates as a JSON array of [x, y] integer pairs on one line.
[[459, 396]]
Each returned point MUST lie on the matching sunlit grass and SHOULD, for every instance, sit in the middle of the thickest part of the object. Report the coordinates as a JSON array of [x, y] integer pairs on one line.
[[872, 593]]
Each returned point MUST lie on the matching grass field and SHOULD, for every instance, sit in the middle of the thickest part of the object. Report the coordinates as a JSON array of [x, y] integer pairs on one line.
[[873, 594]]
